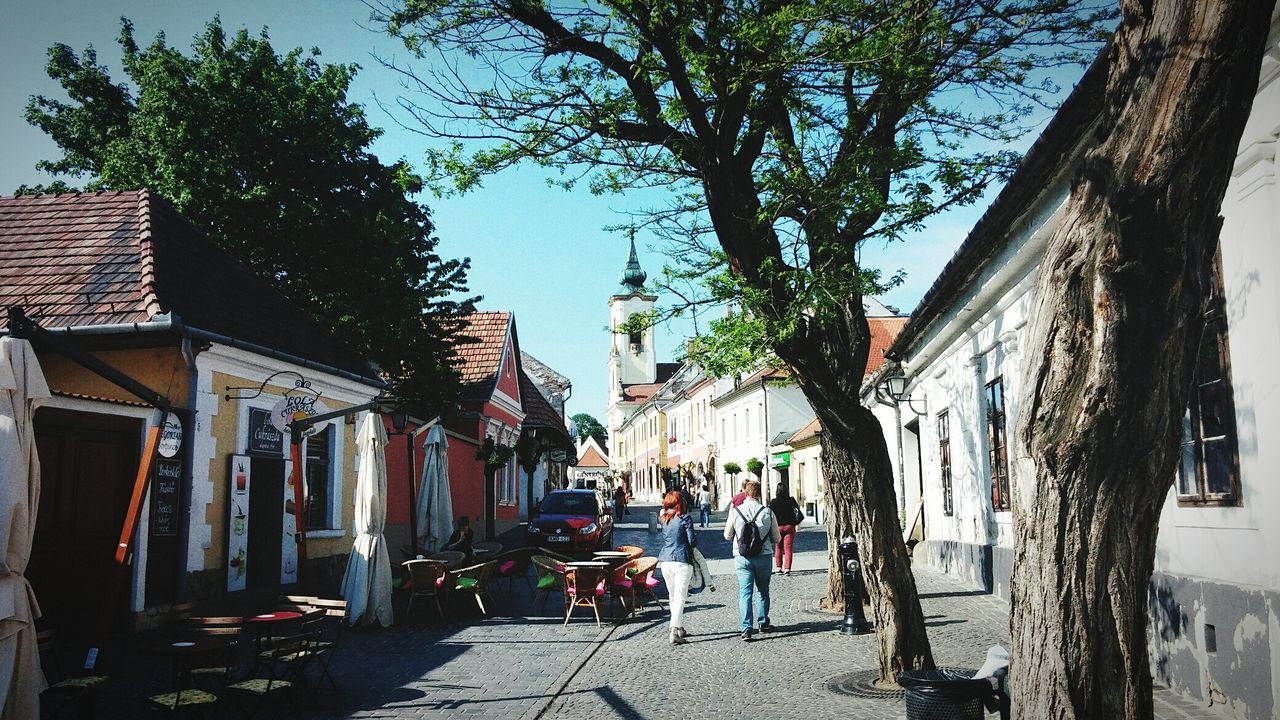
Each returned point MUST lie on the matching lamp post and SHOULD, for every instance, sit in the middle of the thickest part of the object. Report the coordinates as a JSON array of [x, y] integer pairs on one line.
[[400, 422], [893, 389]]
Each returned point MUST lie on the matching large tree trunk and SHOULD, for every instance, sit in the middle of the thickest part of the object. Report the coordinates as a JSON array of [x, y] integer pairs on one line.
[[1114, 327], [828, 361]]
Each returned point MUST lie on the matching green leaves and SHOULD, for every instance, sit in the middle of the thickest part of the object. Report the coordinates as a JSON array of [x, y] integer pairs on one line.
[[264, 153]]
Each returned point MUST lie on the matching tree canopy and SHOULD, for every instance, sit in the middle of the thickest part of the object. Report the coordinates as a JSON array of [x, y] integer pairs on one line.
[[265, 154], [589, 426]]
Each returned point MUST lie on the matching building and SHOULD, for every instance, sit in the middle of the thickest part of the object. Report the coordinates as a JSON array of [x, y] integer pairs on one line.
[[592, 470], [124, 278], [1215, 600], [750, 415]]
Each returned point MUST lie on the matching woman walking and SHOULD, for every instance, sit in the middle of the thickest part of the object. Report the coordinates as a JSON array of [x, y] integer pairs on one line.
[[676, 558], [787, 511]]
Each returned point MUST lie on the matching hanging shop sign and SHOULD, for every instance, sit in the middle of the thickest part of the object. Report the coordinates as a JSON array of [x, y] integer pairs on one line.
[[558, 455], [782, 459], [297, 407], [165, 498], [238, 522], [264, 437], [170, 438]]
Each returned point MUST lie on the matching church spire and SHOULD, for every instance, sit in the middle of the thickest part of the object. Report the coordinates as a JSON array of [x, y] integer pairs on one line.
[[633, 276]]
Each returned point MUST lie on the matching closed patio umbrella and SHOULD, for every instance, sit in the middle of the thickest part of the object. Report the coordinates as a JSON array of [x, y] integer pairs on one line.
[[435, 507], [367, 583], [22, 387]]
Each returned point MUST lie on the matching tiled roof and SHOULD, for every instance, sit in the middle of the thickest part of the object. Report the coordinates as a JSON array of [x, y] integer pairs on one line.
[[128, 257], [884, 330], [639, 393], [769, 373], [591, 458], [539, 413], [549, 379], [480, 361], [813, 428]]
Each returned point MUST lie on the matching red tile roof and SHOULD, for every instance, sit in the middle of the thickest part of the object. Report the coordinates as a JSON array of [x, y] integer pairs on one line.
[[884, 330], [768, 373], [127, 257], [639, 393], [813, 428], [481, 359], [591, 458]]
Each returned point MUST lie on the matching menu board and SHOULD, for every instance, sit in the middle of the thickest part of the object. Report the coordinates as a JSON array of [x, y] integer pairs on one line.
[[164, 498], [263, 437], [238, 522]]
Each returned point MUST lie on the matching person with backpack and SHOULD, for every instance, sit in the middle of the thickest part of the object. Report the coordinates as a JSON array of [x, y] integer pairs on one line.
[[676, 558], [754, 531], [789, 516]]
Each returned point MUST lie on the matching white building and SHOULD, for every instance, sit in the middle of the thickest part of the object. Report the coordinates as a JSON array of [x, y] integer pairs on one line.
[[1215, 597], [750, 413]]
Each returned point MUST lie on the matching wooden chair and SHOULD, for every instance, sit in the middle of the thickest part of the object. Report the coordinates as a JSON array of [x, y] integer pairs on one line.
[[259, 692], [73, 696], [473, 581], [330, 635], [583, 587], [550, 572], [428, 581], [633, 552], [212, 677], [644, 583], [515, 564], [185, 697]]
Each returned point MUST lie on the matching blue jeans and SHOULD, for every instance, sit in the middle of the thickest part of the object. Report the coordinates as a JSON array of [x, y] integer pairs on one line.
[[753, 573], [706, 514]]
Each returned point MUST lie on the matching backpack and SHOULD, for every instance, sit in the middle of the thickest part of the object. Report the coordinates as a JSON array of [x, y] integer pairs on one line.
[[749, 541]]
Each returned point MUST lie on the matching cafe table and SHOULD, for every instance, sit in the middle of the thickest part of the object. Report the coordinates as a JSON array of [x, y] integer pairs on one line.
[[612, 558], [265, 625]]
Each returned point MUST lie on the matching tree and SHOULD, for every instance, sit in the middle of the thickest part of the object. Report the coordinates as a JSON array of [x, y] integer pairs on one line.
[[790, 135], [732, 469], [1115, 330], [755, 467], [589, 426], [264, 154]]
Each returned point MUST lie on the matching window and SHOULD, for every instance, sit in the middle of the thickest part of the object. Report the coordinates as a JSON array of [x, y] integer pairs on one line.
[[316, 469], [507, 482], [944, 460], [1209, 471], [997, 455], [746, 422], [635, 338]]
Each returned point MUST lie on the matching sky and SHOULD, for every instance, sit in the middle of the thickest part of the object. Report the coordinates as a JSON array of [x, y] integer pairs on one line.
[[541, 252]]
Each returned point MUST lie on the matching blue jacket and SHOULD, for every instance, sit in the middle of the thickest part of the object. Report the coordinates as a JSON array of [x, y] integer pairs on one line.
[[678, 540]]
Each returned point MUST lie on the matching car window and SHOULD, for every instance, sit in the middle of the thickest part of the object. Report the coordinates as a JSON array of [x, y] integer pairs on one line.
[[569, 504]]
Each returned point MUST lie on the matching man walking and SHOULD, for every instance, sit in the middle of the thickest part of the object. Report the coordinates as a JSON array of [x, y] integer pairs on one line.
[[754, 530], [704, 505]]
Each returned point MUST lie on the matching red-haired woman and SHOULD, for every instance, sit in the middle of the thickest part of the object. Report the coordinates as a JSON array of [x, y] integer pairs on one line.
[[676, 558]]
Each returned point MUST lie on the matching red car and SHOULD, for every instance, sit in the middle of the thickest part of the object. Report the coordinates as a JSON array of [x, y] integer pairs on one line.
[[572, 521]]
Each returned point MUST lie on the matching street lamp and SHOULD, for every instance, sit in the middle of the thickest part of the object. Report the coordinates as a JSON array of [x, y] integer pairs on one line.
[[400, 422], [894, 387]]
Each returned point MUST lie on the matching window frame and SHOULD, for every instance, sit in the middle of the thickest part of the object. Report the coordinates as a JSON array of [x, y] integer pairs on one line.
[[326, 470], [1215, 315], [997, 446], [943, 425]]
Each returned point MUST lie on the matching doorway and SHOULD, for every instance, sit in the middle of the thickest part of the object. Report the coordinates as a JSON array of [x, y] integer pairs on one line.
[[266, 522], [913, 479], [88, 462]]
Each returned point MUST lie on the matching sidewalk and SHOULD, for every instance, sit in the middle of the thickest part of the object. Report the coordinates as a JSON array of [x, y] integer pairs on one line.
[[523, 663]]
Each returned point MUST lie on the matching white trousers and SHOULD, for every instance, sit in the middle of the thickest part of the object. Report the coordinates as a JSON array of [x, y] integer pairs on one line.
[[676, 575]]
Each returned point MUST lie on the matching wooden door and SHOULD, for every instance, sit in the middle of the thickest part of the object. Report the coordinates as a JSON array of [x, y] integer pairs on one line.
[[88, 465], [266, 522]]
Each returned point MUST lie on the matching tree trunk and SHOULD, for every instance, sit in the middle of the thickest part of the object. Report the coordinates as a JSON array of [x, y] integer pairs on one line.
[[829, 360], [1115, 324]]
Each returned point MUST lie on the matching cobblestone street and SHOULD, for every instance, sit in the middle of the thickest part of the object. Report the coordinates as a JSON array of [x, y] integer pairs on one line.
[[522, 663]]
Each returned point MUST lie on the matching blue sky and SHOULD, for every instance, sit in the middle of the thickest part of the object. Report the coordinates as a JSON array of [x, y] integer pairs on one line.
[[540, 252]]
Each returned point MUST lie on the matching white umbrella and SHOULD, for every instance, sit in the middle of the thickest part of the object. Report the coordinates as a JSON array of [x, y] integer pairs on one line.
[[22, 387], [367, 584], [435, 507]]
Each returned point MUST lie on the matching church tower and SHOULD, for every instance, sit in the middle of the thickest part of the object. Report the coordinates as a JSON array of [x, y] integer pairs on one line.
[[632, 358]]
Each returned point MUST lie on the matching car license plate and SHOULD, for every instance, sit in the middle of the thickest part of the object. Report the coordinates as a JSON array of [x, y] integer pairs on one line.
[[558, 538]]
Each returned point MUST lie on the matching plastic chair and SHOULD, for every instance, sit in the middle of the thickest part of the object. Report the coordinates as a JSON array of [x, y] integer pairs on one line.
[[583, 587], [550, 573], [428, 580]]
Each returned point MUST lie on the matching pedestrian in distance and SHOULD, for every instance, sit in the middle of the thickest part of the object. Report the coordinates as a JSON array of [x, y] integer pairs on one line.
[[789, 516], [754, 532], [704, 505], [676, 558], [619, 501]]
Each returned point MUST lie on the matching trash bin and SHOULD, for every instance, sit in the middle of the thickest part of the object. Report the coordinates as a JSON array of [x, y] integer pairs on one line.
[[948, 694]]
